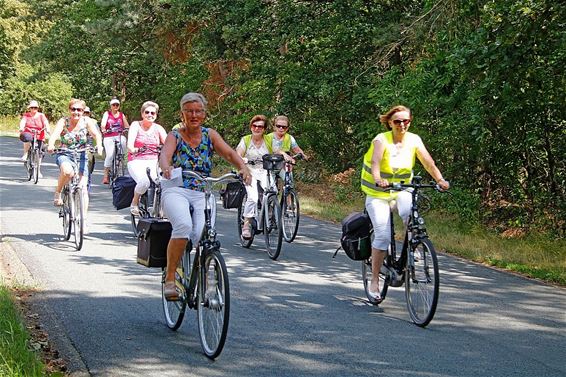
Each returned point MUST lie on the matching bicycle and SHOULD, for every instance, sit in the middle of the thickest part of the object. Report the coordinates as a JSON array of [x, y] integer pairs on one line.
[[72, 210], [416, 266], [35, 155], [117, 169], [290, 209], [267, 208], [204, 285], [150, 201]]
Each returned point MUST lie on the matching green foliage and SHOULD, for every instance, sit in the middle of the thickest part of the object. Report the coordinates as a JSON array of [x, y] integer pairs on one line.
[[484, 79]]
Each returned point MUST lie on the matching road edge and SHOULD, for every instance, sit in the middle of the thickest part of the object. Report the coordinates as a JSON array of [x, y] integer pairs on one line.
[[16, 274]]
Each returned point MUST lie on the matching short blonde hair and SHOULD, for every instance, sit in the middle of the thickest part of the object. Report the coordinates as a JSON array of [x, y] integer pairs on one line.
[[74, 101], [147, 104]]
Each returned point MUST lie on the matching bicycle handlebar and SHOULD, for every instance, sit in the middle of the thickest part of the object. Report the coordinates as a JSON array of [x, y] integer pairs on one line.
[[228, 177]]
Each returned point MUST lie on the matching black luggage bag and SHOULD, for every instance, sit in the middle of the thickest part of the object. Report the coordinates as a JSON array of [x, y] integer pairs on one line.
[[154, 235], [123, 192]]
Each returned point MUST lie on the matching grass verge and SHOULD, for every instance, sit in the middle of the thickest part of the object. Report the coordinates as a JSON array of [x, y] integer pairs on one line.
[[16, 359]]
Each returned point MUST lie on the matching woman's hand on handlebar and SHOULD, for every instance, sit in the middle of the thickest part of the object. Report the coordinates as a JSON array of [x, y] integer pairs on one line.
[[166, 173], [443, 185], [383, 183], [246, 175]]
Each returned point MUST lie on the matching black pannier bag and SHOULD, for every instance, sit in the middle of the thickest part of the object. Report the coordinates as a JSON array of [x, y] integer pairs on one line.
[[123, 192], [356, 236], [154, 235], [233, 195]]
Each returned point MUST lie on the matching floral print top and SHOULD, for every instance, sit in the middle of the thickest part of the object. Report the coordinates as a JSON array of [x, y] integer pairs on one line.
[[77, 138], [197, 159]]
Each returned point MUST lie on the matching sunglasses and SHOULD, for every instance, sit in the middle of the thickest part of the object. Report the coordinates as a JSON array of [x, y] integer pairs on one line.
[[80, 110], [33, 107], [399, 121], [147, 112], [258, 126], [115, 104], [281, 126]]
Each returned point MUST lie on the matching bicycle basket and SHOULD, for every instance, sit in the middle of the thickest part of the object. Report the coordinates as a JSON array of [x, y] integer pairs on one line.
[[233, 195], [272, 161]]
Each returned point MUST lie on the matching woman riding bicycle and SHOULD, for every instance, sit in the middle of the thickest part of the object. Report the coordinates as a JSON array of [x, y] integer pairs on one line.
[[32, 121], [190, 148], [113, 123], [144, 139], [390, 159], [72, 133], [252, 147]]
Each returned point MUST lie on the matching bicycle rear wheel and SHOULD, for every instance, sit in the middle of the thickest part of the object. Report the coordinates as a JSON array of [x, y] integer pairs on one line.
[[78, 217], [245, 243], [65, 214], [174, 310], [213, 305], [422, 283], [366, 277], [35, 164], [290, 215], [272, 228]]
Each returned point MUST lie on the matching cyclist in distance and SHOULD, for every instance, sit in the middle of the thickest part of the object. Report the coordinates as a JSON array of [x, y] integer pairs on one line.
[[283, 142], [252, 147], [390, 159], [150, 135], [33, 120], [190, 148], [71, 132], [113, 123]]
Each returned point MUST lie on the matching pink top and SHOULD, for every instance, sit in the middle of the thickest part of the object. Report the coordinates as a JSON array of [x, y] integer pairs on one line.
[[114, 124], [148, 139], [35, 123]]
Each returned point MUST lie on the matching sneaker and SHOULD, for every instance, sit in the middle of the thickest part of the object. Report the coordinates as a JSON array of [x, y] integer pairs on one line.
[[105, 180], [246, 232], [24, 157], [135, 210]]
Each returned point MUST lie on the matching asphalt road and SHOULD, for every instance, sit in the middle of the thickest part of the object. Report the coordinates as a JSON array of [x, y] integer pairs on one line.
[[303, 315]]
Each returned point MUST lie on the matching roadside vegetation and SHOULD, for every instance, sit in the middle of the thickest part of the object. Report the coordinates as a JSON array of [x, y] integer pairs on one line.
[[16, 357]]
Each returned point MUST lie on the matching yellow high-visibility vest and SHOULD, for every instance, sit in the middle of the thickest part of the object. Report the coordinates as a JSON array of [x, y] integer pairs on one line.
[[402, 172]]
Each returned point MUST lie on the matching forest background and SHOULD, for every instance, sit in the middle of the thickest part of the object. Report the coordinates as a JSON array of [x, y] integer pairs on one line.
[[485, 80]]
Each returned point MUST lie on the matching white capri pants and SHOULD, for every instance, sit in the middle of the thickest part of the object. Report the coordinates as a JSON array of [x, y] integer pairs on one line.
[[137, 170], [109, 148], [378, 210], [177, 202], [252, 191]]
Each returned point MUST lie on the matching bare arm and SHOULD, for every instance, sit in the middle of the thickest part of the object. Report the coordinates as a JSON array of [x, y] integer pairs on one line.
[[166, 156], [378, 150], [230, 155], [132, 137], [56, 134], [104, 121], [93, 131], [426, 159], [162, 134], [22, 123], [126, 124], [46, 124]]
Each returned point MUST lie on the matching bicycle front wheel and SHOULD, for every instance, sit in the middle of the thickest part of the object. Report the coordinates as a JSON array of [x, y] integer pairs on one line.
[[78, 217], [290, 215], [35, 165], [29, 165], [174, 310], [272, 228], [65, 214], [422, 283], [213, 305]]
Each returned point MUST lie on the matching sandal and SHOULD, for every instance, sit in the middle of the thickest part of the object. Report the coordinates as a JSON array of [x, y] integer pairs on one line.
[[170, 291], [57, 201]]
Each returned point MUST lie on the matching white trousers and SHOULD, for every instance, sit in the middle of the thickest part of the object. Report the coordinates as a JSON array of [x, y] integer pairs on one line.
[[379, 209], [137, 170], [109, 148], [258, 175], [177, 202]]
